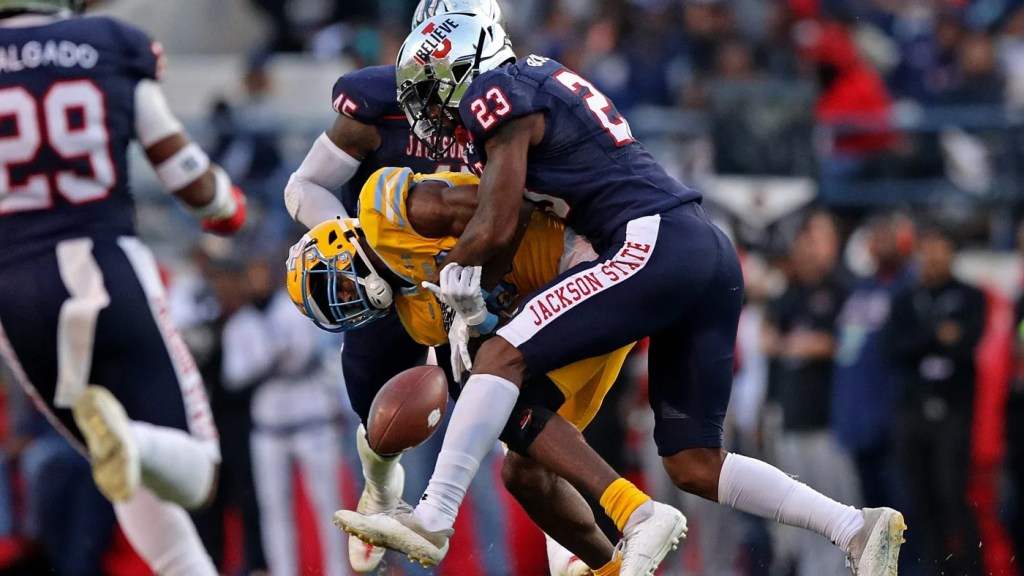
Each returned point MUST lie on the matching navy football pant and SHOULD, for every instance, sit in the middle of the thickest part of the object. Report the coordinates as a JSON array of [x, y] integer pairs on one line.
[[94, 311], [674, 277]]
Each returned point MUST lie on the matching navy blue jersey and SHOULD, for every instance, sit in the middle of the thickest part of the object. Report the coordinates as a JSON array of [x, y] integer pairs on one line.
[[67, 114], [588, 169], [369, 95]]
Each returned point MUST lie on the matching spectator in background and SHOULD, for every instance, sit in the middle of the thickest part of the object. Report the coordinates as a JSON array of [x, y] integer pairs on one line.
[[927, 41], [296, 419], [865, 386], [708, 23], [1011, 56], [932, 334], [799, 336], [64, 511], [230, 402], [978, 78], [851, 93]]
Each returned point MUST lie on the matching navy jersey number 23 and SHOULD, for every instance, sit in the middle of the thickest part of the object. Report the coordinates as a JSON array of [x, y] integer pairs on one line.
[[588, 169]]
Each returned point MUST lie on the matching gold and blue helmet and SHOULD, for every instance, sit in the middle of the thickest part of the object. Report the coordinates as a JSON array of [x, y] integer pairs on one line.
[[437, 63], [331, 280]]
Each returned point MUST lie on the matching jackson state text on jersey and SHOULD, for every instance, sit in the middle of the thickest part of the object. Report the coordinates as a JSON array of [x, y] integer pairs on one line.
[[67, 114], [588, 168], [369, 95]]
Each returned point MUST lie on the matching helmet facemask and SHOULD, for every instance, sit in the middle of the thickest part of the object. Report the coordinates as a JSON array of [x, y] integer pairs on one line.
[[432, 108]]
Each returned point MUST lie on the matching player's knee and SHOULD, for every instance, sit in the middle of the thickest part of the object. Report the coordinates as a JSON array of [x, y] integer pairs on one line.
[[696, 470], [498, 357], [211, 493], [525, 478], [529, 418]]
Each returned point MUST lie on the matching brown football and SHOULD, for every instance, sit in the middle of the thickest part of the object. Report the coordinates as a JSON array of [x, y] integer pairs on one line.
[[407, 410]]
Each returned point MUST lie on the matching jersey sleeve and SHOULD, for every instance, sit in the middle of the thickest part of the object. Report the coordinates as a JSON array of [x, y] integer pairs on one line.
[[495, 99], [143, 56], [367, 95]]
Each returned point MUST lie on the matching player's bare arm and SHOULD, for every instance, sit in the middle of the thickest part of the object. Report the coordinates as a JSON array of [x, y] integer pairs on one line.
[[355, 138], [332, 160], [181, 165], [437, 210], [501, 192]]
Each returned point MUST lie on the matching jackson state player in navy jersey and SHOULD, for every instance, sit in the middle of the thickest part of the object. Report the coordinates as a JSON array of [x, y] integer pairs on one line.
[[663, 270], [83, 318]]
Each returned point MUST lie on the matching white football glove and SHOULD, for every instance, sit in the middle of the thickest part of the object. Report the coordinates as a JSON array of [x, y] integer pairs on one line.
[[460, 290], [458, 338]]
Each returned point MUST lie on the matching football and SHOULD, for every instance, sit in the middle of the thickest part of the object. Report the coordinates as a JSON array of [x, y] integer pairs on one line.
[[407, 410]]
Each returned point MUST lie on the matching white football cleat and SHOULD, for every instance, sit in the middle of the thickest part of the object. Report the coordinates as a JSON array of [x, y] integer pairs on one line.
[[375, 498], [875, 550], [397, 530], [561, 562], [647, 540], [113, 453]]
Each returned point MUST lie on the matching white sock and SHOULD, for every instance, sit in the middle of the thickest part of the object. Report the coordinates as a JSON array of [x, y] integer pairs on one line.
[[175, 465], [163, 534], [483, 408], [377, 470], [763, 490]]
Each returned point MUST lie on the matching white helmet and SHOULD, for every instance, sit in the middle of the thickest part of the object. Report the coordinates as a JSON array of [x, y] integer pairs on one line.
[[427, 9], [437, 63]]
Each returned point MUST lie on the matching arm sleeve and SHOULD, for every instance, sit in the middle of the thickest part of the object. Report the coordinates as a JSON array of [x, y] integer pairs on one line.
[[154, 120], [308, 195]]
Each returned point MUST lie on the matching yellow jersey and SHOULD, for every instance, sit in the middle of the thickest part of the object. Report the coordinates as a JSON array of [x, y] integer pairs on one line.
[[383, 216]]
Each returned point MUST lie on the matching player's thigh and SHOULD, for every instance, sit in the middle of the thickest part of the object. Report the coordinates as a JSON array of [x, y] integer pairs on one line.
[[585, 389], [29, 311], [691, 363], [373, 354], [647, 279], [138, 353]]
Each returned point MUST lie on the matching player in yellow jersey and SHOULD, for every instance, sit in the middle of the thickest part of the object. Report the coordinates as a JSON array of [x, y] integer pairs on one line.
[[346, 273], [546, 249]]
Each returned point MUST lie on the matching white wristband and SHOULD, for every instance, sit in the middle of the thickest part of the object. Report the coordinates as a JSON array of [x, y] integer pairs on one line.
[[183, 168], [223, 204]]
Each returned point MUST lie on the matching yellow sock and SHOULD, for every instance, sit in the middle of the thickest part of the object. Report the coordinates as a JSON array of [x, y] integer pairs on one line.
[[611, 568], [620, 499]]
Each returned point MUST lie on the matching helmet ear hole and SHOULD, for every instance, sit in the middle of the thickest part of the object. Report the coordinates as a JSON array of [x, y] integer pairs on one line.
[[378, 292]]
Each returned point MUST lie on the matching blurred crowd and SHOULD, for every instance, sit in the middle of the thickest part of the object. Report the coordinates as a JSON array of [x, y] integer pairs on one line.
[[880, 381]]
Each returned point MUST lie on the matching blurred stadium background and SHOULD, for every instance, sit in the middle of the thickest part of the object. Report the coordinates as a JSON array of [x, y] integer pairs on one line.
[[848, 146]]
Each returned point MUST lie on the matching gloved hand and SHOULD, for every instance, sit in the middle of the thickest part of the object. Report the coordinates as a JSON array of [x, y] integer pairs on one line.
[[228, 224], [460, 290], [458, 338]]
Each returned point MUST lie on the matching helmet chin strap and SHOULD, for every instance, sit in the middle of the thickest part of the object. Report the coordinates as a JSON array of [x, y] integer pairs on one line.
[[475, 70], [378, 292]]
